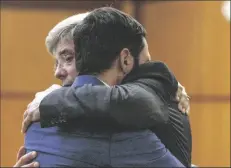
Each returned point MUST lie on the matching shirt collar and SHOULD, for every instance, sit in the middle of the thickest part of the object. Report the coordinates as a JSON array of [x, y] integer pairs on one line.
[[86, 79]]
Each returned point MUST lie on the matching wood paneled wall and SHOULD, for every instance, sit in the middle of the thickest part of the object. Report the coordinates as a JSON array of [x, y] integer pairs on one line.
[[193, 38]]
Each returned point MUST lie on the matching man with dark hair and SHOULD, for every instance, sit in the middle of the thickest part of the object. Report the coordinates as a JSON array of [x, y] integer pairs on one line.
[[113, 118], [105, 35], [118, 41]]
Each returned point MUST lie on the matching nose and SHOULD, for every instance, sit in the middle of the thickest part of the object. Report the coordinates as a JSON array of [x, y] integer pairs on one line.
[[60, 73]]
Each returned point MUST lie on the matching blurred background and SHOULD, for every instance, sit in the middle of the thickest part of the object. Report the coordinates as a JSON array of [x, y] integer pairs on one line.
[[192, 37]]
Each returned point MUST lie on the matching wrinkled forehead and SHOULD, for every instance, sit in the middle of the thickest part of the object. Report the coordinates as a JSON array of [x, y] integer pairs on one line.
[[64, 46]]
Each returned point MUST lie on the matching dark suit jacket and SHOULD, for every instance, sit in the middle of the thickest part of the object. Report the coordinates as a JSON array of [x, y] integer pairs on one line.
[[124, 108], [176, 133]]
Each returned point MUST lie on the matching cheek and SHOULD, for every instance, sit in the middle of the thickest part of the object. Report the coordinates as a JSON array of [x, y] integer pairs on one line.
[[71, 70], [144, 57]]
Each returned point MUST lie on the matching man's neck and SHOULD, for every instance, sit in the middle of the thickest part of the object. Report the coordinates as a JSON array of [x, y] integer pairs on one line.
[[109, 78]]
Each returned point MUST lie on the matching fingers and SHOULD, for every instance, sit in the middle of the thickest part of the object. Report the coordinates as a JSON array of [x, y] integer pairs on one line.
[[183, 104], [26, 122], [32, 112], [25, 159], [188, 105], [30, 108], [21, 152], [183, 99], [179, 92], [33, 164], [178, 95], [180, 107], [188, 110], [28, 116]]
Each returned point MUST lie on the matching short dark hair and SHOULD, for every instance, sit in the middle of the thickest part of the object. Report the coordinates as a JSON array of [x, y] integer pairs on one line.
[[102, 35]]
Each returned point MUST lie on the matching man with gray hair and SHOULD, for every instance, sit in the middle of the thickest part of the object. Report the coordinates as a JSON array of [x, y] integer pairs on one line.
[[61, 46]]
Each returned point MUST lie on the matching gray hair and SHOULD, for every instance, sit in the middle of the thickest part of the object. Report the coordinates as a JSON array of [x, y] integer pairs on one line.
[[63, 30]]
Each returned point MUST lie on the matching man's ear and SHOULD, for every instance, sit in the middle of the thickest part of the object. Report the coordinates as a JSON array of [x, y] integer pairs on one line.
[[126, 61]]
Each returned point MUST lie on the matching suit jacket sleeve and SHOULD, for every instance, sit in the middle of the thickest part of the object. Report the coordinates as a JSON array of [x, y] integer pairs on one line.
[[134, 104]]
